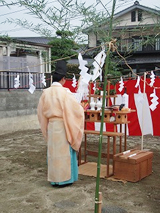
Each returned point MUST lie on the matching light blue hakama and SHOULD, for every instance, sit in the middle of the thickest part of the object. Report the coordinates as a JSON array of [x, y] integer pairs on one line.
[[74, 169]]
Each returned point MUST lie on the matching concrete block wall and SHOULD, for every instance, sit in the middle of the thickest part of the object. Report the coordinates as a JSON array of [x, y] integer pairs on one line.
[[18, 110]]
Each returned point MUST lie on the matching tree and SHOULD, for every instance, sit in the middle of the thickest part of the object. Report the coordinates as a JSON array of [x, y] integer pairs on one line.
[[63, 46], [57, 16]]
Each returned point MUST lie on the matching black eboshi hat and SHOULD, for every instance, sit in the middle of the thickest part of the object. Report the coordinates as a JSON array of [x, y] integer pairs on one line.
[[61, 68]]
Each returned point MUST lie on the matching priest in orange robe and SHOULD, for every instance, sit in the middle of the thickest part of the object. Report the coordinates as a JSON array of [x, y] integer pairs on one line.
[[61, 120]]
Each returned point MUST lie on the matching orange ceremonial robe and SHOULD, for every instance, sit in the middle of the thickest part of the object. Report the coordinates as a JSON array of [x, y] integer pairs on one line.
[[61, 120]]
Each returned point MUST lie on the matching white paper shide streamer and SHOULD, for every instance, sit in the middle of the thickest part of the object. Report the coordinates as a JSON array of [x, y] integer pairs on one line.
[[154, 101], [140, 97], [138, 81], [82, 65], [121, 85], [152, 77], [74, 82], [125, 99], [31, 86], [83, 91], [16, 82], [43, 79], [94, 86], [98, 64]]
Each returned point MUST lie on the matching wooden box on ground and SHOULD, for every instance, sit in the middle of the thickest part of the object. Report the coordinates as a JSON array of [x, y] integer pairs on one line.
[[133, 165]]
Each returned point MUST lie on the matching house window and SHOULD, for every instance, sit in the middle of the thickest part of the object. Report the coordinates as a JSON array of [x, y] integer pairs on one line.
[[137, 44], [133, 16], [126, 45], [157, 43], [139, 15], [99, 42]]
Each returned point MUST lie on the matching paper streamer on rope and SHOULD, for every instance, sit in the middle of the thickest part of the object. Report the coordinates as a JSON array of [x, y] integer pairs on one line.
[[154, 101], [16, 82], [138, 81], [121, 85], [140, 98], [31, 86], [94, 86], [98, 64], [86, 78], [43, 79], [82, 90], [152, 77], [125, 99], [82, 64], [74, 82]]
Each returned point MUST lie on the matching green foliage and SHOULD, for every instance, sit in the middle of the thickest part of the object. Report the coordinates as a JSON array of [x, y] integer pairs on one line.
[[114, 71], [112, 92], [63, 47], [64, 34], [97, 92], [6, 38], [73, 69]]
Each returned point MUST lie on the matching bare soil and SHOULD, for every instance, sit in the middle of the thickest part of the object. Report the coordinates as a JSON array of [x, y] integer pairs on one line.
[[24, 187]]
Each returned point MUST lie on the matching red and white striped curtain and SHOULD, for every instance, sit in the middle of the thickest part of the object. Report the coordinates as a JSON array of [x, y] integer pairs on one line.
[[143, 120]]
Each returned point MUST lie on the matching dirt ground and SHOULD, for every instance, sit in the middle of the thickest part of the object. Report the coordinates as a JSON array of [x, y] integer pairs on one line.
[[24, 188]]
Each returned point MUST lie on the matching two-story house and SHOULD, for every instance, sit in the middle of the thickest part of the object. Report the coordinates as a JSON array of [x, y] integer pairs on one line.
[[137, 30]]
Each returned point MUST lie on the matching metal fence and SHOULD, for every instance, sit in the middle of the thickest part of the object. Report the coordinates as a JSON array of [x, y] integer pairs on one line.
[[7, 80]]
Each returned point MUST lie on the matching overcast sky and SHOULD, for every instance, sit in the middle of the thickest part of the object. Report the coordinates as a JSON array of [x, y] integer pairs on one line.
[[17, 12]]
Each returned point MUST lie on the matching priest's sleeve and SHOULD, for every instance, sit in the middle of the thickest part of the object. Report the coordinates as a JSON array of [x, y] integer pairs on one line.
[[73, 115], [43, 121]]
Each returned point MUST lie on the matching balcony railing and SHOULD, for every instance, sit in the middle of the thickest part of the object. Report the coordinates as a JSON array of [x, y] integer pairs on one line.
[[7, 80], [138, 45]]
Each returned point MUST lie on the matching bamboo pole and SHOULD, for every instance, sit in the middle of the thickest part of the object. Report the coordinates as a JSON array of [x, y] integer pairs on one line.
[[109, 84], [102, 118]]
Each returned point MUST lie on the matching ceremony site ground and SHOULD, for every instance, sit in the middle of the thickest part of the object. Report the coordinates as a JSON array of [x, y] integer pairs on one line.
[[24, 187]]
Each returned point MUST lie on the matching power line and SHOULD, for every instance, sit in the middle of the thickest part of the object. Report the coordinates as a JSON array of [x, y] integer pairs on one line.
[[72, 19], [13, 30], [48, 3], [11, 4], [12, 12]]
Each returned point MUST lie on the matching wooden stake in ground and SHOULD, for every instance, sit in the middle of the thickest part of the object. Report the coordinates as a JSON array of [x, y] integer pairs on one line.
[[100, 203]]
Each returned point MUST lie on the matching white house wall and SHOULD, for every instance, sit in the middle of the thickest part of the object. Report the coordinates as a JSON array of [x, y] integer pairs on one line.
[[34, 63], [8, 62], [92, 40], [125, 20]]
